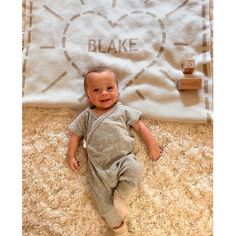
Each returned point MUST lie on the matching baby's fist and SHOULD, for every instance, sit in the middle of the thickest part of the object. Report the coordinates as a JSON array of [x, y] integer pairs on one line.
[[155, 153]]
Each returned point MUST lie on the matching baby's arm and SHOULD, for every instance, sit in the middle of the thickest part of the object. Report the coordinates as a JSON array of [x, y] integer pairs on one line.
[[153, 148], [71, 152]]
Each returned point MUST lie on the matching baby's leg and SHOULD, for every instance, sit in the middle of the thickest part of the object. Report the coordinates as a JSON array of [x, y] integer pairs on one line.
[[130, 176], [103, 198]]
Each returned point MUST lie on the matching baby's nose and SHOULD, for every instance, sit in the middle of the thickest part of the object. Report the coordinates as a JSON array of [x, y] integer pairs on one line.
[[104, 92]]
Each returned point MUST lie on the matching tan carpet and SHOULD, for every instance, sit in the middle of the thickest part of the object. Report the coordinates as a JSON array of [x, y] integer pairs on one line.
[[175, 198]]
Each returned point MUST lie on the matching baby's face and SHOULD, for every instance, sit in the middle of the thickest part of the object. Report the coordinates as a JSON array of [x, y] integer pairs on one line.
[[102, 89]]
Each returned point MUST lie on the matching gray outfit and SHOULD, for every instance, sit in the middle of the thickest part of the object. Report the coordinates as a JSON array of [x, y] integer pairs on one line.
[[111, 163]]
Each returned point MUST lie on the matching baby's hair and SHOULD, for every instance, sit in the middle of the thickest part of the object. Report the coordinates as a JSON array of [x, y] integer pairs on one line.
[[97, 69]]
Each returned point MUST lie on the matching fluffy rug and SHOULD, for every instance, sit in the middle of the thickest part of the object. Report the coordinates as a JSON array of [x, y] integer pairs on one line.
[[175, 197]]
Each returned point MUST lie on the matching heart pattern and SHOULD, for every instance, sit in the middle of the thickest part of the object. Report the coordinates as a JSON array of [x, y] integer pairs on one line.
[[111, 38]]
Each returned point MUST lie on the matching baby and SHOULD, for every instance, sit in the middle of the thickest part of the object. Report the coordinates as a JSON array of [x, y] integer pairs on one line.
[[114, 171]]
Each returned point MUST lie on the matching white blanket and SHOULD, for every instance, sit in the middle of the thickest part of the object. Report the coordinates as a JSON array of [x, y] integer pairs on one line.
[[145, 42]]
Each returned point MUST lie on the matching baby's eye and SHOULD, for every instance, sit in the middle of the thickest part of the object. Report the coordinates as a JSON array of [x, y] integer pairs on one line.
[[109, 88], [96, 90]]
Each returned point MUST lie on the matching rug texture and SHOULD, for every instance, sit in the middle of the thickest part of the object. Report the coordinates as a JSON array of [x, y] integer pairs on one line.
[[175, 197], [145, 42]]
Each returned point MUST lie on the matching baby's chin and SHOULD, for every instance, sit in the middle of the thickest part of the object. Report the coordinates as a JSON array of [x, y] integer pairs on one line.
[[106, 104]]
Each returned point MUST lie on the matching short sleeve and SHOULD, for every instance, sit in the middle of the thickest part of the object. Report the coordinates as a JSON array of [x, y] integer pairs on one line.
[[78, 126], [132, 115]]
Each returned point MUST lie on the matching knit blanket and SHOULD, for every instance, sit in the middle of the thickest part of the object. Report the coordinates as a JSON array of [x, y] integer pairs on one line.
[[145, 42]]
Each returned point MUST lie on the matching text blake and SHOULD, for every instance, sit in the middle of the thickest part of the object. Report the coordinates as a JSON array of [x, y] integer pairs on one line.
[[113, 46]]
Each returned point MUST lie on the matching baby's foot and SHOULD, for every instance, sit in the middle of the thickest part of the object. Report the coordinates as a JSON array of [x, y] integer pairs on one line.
[[120, 205], [122, 230]]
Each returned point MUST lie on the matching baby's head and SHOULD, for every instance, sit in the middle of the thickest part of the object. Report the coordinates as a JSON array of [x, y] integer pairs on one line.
[[101, 87]]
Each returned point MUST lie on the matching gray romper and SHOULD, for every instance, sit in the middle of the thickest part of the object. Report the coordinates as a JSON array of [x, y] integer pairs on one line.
[[111, 163]]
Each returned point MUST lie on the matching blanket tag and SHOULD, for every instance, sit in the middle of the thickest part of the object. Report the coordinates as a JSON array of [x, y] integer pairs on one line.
[[84, 144]]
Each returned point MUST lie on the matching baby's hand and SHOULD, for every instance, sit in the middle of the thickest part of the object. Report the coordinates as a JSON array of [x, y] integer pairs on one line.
[[73, 164], [155, 153]]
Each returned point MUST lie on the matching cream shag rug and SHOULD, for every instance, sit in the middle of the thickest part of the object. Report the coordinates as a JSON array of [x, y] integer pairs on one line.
[[175, 198]]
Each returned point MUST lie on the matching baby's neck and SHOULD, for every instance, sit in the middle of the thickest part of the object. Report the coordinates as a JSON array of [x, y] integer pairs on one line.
[[100, 112]]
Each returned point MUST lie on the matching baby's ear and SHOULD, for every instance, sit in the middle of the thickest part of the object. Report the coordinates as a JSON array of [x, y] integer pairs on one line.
[[89, 102], [88, 99]]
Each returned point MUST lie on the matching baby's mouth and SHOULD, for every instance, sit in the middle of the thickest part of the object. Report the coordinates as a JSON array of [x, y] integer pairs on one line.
[[105, 100]]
